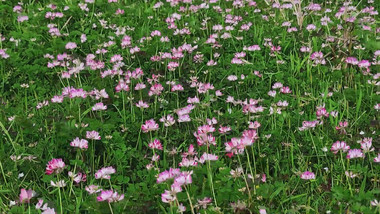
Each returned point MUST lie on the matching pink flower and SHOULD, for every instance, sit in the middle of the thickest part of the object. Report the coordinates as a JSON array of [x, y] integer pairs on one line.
[[224, 129], [110, 196], [71, 45], [308, 175], [142, 104], [156, 144], [57, 99], [177, 87], [26, 195], [93, 135], [140, 86], [168, 120], [366, 145], [122, 86], [156, 89], [150, 125], [93, 189], [355, 153], [99, 106], [352, 60], [168, 196], [80, 177], [339, 146], [104, 173], [208, 157], [262, 211], [79, 143], [55, 166], [22, 18], [364, 64], [168, 174], [204, 202], [377, 159]]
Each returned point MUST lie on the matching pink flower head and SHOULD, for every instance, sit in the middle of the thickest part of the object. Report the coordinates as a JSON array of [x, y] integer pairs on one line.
[[80, 177], [26, 195], [377, 159], [364, 64], [57, 99], [168, 120], [208, 157], [339, 146], [285, 90], [55, 166], [156, 89], [150, 125], [204, 202], [224, 129], [168, 174], [355, 153], [366, 145], [110, 196], [168, 196], [93, 135], [93, 189], [99, 106], [71, 45], [184, 178], [79, 143], [352, 60], [122, 86], [104, 173], [156, 144], [307, 175]]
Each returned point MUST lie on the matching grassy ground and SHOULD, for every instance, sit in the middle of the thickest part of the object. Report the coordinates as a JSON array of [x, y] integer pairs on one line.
[[189, 106]]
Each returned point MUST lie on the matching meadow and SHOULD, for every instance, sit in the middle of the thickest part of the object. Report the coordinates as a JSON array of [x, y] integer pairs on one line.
[[189, 106]]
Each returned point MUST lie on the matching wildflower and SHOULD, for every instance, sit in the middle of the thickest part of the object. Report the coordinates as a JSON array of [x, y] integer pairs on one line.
[[375, 203], [155, 144], [350, 174], [168, 196], [339, 146], [308, 175], [105, 172], [57, 99], [99, 106], [377, 159], [26, 195], [366, 145], [168, 120], [204, 202], [110, 196], [93, 135], [224, 129], [168, 174], [208, 157], [150, 125], [93, 189], [156, 89], [262, 211], [355, 153], [22, 18], [59, 184], [142, 104], [71, 45], [317, 58], [237, 172], [352, 60], [80, 177], [55, 166], [79, 143]]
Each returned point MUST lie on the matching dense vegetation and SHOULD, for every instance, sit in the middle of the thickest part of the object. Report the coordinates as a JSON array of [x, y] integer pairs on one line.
[[189, 106]]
